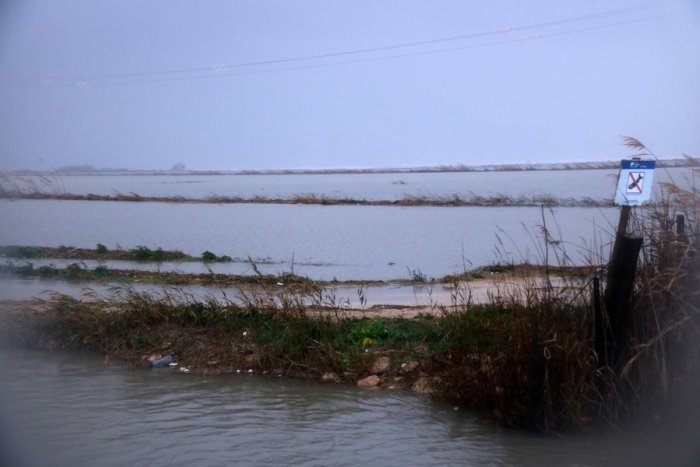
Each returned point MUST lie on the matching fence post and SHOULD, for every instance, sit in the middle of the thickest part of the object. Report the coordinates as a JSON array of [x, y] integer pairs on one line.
[[600, 322], [618, 293]]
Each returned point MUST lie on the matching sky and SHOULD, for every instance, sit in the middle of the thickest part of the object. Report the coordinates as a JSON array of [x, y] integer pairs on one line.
[[309, 84]]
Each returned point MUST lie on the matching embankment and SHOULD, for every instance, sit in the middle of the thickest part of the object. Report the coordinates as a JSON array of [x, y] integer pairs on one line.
[[475, 355]]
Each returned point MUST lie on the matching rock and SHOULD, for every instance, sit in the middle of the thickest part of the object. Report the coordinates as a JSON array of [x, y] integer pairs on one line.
[[409, 367], [331, 377], [369, 382], [381, 365], [423, 385]]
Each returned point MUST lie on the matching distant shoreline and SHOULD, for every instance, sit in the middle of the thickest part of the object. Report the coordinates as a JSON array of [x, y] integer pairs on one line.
[[602, 165]]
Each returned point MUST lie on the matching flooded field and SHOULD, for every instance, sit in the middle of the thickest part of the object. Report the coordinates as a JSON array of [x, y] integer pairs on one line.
[[322, 242], [596, 184]]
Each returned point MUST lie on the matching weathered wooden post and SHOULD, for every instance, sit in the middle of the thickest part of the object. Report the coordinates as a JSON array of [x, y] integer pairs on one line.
[[600, 320], [618, 294], [614, 324], [680, 226]]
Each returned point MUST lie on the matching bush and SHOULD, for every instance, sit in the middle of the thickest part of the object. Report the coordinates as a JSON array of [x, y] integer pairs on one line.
[[158, 255], [142, 253], [47, 271], [16, 251], [208, 256], [74, 270], [101, 271]]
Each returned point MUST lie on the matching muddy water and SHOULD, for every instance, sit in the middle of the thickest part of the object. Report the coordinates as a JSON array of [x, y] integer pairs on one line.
[[69, 409]]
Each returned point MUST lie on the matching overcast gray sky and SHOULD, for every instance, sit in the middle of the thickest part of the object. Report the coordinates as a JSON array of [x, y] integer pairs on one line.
[[245, 84]]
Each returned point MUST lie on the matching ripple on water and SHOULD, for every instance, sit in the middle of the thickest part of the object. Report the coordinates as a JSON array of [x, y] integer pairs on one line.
[[68, 409]]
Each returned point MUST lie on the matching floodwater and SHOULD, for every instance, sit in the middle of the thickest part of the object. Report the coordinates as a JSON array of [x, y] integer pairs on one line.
[[69, 409], [578, 184], [321, 242], [339, 296]]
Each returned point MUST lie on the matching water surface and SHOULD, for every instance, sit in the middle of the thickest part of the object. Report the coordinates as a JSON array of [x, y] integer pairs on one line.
[[69, 409], [322, 242], [598, 184]]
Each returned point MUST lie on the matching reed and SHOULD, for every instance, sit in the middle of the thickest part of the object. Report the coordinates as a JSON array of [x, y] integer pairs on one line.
[[663, 351]]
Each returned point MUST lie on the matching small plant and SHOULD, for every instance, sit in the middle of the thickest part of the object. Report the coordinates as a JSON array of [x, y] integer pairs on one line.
[[140, 341], [362, 297], [498, 268], [26, 269], [74, 270], [17, 251], [208, 256], [101, 271], [47, 271], [417, 275], [101, 249], [159, 255], [142, 253]]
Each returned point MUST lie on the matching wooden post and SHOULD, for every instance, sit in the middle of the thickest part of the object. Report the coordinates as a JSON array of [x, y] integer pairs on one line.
[[621, 232], [680, 225], [613, 324], [601, 323], [618, 293]]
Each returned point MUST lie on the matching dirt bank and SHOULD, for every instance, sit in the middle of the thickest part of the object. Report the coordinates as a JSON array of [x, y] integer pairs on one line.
[[212, 350]]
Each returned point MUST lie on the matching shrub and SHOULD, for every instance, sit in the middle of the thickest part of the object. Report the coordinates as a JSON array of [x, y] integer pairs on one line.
[[74, 270], [158, 255], [142, 253], [101, 271], [208, 256]]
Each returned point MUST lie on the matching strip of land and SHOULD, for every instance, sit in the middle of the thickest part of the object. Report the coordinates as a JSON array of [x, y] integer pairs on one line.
[[311, 199]]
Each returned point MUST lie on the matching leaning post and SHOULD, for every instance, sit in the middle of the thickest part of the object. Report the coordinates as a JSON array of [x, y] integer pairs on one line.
[[633, 189]]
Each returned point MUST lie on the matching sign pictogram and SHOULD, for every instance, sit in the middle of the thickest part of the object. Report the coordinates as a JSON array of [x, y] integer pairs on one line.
[[635, 182]]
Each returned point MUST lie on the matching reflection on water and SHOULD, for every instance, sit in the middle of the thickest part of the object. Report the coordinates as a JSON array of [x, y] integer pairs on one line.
[[69, 409]]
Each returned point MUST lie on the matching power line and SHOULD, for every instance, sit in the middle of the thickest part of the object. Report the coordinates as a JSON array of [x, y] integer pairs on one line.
[[376, 59], [216, 71]]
